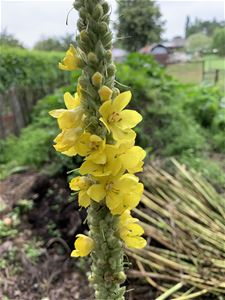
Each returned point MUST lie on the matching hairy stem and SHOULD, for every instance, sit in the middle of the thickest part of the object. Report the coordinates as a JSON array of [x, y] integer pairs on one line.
[[95, 42], [107, 256]]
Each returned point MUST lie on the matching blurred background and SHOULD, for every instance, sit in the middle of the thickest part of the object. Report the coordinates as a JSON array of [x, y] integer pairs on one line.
[[171, 54]]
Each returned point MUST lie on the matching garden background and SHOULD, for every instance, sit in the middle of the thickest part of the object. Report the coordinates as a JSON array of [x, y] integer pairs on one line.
[[182, 101]]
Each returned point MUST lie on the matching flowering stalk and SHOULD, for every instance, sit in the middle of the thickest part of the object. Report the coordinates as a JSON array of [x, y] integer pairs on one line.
[[95, 125]]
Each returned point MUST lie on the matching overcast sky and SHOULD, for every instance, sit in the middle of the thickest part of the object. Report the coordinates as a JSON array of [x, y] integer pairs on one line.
[[29, 20]]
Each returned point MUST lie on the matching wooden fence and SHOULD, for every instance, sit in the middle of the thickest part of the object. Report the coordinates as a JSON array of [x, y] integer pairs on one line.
[[16, 105]]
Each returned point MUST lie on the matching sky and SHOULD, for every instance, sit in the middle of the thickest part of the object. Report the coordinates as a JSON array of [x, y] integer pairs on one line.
[[30, 20]]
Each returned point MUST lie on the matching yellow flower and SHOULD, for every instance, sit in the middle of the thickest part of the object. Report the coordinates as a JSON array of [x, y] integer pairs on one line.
[[83, 246], [71, 61], [66, 141], [130, 232], [117, 120], [120, 192], [92, 146], [81, 184], [130, 157], [114, 159], [104, 165], [70, 117]]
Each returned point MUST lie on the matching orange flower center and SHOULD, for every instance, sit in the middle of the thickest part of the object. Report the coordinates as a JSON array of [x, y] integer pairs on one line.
[[109, 186], [94, 145], [114, 117]]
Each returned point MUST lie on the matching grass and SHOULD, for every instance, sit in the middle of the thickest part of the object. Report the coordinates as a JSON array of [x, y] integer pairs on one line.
[[186, 72], [192, 72]]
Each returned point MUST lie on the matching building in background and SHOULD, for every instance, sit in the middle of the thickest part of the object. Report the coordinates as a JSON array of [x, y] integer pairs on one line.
[[167, 52]]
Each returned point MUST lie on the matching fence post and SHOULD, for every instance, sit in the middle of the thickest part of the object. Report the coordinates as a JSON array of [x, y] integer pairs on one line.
[[17, 110], [2, 129], [216, 76], [203, 70]]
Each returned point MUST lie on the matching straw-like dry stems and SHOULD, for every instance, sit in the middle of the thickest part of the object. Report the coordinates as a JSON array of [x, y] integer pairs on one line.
[[184, 218]]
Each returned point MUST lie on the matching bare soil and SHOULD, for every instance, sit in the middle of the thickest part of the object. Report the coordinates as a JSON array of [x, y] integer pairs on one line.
[[52, 223]]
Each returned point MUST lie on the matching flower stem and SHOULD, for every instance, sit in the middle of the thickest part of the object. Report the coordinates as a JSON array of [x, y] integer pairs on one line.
[[107, 256], [95, 41]]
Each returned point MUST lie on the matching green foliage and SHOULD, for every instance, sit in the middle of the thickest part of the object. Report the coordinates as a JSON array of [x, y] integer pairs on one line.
[[54, 43], [199, 26], [179, 120], [185, 121], [219, 40], [9, 224], [10, 229], [34, 145], [7, 39], [32, 69], [139, 23], [10, 257], [198, 42], [33, 250], [7, 231]]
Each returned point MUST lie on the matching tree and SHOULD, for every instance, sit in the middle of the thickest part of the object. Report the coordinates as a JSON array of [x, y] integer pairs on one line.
[[139, 23], [49, 44], [198, 42], [7, 39], [187, 25], [199, 26], [219, 40], [54, 43]]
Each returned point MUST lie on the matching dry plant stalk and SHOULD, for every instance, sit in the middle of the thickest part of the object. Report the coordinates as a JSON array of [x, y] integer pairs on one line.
[[185, 219]]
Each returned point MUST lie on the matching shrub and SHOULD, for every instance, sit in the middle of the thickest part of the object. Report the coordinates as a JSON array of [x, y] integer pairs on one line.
[[183, 121], [34, 69]]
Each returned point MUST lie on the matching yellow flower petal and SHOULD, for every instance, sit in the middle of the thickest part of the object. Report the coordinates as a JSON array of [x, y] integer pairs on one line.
[[130, 232], [83, 199], [56, 113], [105, 123], [97, 192], [121, 101], [134, 229], [71, 60], [89, 167], [135, 242], [70, 101], [98, 158], [105, 109], [83, 246], [129, 119], [80, 183], [70, 118], [133, 158], [120, 135], [71, 152], [113, 200]]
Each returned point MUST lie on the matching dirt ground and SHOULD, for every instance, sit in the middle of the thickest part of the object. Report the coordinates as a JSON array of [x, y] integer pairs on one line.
[[35, 261]]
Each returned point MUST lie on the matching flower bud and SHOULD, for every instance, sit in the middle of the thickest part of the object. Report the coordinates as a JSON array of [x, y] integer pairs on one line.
[[111, 70], [121, 276], [92, 58], [105, 93], [84, 36], [108, 55], [91, 278], [103, 28], [116, 92], [98, 12], [105, 7], [97, 79]]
